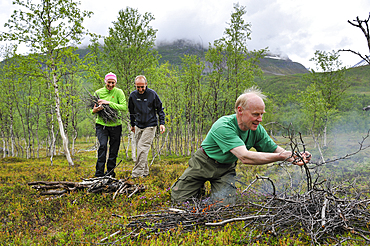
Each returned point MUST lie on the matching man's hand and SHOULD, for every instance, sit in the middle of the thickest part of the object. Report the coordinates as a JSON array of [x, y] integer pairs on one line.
[[97, 108], [301, 158], [286, 155], [102, 101], [162, 128]]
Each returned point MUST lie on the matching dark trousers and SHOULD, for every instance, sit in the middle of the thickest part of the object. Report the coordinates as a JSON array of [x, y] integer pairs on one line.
[[113, 134]]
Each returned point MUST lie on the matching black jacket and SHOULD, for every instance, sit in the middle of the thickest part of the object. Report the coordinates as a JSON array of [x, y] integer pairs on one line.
[[144, 109]]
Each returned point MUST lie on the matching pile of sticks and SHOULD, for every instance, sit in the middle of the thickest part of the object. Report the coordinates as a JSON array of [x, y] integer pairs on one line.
[[187, 217], [326, 214], [105, 184]]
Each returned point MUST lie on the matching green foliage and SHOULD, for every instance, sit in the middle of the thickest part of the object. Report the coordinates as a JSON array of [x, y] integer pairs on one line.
[[331, 84], [241, 65], [50, 28], [217, 89], [324, 93], [196, 86], [76, 217], [85, 128], [128, 49], [232, 67], [40, 25]]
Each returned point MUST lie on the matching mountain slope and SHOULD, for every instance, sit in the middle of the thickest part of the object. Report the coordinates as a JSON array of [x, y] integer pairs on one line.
[[173, 51], [358, 78]]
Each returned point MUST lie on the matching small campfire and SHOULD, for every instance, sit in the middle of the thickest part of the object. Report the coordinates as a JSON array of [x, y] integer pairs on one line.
[[325, 212]]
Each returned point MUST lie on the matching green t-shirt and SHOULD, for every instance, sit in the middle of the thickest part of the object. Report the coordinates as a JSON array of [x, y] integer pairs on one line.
[[225, 135], [117, 100]]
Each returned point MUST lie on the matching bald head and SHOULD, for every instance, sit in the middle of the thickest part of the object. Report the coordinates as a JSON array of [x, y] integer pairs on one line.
[[251, 96]]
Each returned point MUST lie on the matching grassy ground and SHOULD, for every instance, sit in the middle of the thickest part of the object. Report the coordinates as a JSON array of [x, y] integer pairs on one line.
[[79, 218]]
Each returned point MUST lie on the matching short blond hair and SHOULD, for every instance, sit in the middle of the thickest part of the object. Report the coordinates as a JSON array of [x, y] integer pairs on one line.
[[242, 100]]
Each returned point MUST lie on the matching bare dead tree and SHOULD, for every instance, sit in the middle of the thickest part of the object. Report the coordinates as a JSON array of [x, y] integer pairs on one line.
[[364, 26]]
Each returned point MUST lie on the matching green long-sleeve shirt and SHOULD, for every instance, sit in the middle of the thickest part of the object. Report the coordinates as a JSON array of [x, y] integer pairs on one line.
[[117, 100]]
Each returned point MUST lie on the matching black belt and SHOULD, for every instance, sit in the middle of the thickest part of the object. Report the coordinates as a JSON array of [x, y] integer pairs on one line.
[[217, 162]]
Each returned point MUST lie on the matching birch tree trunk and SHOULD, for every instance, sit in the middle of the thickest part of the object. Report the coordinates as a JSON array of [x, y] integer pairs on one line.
[[4, 145], [12, 138], [74, 139], [133, 145], [52, 139], [60, 122]]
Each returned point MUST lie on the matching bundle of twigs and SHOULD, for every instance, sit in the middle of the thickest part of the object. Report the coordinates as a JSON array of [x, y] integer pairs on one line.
[[107, 113], [186, 217], [105, 184]]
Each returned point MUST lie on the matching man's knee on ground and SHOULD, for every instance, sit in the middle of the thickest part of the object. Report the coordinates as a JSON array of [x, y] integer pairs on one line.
[[185, 189]]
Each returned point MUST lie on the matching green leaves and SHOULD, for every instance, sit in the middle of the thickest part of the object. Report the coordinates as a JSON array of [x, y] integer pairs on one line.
[[233, 67], [45, 26], [325, 92], [128, 50]]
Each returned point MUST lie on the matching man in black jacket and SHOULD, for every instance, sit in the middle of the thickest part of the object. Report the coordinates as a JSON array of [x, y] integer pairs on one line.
[[144, 105]]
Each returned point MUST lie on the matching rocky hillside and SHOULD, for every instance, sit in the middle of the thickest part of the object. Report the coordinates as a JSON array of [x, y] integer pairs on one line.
[[173, 51], [271, 64]]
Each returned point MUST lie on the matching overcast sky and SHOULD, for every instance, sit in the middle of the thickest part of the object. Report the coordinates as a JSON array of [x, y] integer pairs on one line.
[[293, 28]]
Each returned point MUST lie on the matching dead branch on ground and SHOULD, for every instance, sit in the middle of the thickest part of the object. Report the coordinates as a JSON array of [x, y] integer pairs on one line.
[[105, 184]]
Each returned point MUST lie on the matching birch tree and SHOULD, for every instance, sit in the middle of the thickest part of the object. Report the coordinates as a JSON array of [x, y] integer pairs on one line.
[[241, 64], [49, 28], [325, 92], [7, 105], [191, 77], [216, 103]]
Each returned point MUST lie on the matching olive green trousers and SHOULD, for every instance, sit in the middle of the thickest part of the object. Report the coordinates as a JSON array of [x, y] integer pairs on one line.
[[201, 169]]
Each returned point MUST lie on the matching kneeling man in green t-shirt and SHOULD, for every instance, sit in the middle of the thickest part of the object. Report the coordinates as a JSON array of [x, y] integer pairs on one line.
[[230, 139]]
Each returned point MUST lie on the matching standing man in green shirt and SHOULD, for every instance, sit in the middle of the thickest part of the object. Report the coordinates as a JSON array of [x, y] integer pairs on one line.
[[230, 139], [111, 130]]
